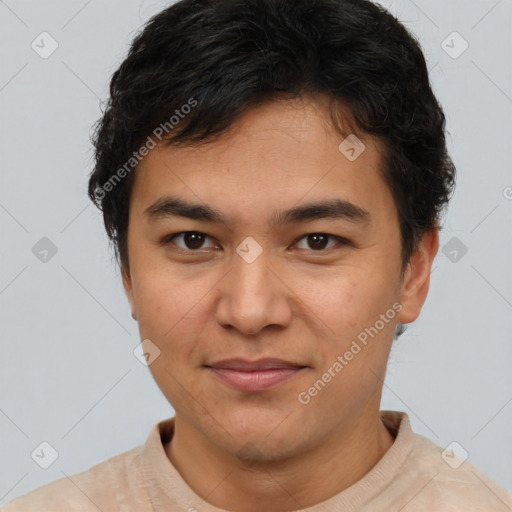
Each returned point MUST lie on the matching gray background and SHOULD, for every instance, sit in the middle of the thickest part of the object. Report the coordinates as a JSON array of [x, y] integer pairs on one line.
[[68, 375]]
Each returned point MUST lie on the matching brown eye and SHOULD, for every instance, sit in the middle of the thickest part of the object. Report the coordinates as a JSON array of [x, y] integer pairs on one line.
[[319, 241], [187, 240], [193, 240]]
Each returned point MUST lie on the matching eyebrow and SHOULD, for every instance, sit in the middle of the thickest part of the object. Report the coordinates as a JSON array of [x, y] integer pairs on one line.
[[170, 206]]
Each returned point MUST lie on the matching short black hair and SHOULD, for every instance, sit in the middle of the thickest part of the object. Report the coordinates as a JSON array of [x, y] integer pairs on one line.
[[198, 65]]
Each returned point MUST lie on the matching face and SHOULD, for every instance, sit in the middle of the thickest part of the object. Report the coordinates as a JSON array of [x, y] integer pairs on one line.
[[252, 282]]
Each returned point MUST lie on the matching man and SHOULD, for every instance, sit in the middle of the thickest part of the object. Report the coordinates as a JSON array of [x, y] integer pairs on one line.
[[272, 174]]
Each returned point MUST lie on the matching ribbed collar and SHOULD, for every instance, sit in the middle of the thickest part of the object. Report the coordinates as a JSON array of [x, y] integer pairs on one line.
[[169, 492]]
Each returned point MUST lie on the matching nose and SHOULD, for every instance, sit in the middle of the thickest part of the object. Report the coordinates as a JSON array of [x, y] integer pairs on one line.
[[253, 297]]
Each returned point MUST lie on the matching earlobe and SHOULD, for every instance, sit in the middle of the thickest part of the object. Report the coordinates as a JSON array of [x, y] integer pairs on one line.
[[128, 288], [417, 277]]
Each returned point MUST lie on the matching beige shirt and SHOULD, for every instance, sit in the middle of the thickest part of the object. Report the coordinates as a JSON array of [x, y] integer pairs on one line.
[[411, 477]]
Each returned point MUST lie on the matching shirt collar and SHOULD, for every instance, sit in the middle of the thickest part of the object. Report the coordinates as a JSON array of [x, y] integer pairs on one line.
[[168, 490]]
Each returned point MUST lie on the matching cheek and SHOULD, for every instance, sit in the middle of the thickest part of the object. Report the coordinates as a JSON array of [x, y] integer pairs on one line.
[[350, 302], [171, 308], [337, 304], [342, 300], [160, 302]]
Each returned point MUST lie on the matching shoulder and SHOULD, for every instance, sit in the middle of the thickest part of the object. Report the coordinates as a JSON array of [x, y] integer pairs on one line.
[[104, 486], [445, 481]]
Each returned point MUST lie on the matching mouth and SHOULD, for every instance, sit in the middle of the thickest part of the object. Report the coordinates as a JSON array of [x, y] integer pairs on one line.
[[256, 375]]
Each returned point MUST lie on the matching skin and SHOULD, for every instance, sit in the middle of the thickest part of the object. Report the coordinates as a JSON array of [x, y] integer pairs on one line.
[[266, 450]]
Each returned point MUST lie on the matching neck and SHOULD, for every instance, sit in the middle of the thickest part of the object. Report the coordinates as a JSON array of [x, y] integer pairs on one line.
[[285, 485]]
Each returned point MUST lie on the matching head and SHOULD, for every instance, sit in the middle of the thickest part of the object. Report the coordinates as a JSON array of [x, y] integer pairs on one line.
[[228, 113]]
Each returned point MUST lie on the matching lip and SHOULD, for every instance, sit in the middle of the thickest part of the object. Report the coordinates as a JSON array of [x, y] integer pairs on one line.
[[258, 365], [255, 380], [251, 376]]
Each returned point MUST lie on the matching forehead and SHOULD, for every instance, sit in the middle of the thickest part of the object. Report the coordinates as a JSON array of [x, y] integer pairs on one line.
[[287, 127], [276, 153]]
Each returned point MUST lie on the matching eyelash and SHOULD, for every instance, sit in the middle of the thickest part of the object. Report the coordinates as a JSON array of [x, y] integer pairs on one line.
[[342, 241]]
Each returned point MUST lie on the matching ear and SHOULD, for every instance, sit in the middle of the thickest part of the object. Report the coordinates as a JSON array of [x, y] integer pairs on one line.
[[128, 288], [416, 278]]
